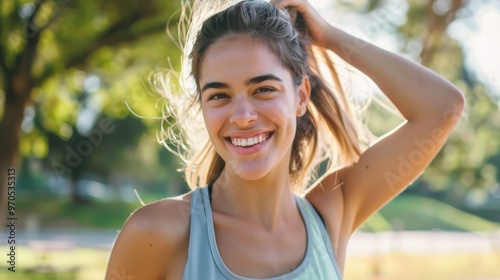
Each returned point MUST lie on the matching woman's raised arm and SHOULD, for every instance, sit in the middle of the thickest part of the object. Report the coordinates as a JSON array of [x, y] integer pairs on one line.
[[430, 104]]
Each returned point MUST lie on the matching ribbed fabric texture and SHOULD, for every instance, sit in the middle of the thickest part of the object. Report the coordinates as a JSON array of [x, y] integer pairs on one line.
[[205, 263]]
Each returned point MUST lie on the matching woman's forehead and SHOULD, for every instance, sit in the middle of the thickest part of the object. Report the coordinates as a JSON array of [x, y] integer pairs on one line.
[[238, 57]]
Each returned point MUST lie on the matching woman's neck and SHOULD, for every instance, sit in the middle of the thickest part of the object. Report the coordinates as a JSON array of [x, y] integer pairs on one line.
[[267, 202]]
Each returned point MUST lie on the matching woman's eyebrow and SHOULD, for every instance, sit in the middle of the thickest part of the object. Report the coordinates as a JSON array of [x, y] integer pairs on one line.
[[214, 85], [254, 80], [261, 78]]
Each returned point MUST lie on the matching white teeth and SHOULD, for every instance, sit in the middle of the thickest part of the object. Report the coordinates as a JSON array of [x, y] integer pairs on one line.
[[245, 142]]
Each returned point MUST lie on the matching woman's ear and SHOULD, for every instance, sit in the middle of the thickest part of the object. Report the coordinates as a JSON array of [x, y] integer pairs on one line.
[[304, 95]]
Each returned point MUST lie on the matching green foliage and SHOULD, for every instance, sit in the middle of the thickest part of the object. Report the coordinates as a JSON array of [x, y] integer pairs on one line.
[[91, 62]]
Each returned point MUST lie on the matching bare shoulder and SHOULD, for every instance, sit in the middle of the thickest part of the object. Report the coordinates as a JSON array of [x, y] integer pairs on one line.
[[152, 240], [168, 217]]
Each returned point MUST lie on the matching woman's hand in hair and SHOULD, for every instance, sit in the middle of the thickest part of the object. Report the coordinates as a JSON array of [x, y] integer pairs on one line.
[[319, 28]]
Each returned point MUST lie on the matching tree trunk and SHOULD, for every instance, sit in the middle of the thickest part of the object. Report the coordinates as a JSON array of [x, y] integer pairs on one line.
[[10, 131], [18, 86], [436, 28]]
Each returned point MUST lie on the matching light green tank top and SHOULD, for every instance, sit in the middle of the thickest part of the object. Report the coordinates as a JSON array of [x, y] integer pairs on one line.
[[205, 263]]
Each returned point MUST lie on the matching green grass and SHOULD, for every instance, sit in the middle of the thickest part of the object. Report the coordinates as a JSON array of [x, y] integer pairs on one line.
[[73, 264], [421, 213], [59, 212]]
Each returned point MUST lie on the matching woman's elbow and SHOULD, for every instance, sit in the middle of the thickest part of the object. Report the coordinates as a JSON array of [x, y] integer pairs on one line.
[[455, 108]]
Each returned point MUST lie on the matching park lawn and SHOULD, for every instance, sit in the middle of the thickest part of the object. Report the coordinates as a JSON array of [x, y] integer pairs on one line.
[[422, 213], [58, 212], [88, 262], [417, 213], [390, 266]]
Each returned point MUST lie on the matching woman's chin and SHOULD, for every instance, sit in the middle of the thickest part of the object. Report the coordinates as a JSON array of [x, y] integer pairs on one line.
[[250, 173]]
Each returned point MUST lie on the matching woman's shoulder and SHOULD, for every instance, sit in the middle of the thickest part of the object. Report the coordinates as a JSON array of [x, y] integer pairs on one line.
[[167, 217], [153, 239]]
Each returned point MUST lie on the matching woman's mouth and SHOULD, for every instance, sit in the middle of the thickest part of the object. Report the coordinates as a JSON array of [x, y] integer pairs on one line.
[[249, 141]]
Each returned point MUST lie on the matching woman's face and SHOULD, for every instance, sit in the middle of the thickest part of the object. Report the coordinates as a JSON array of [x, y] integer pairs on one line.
[[249, 104]]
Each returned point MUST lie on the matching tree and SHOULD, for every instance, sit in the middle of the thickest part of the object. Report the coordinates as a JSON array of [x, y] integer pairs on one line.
[[43, 42]]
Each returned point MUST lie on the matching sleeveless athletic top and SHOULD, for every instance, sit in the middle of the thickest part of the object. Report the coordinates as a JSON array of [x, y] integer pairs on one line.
[[205, 263]]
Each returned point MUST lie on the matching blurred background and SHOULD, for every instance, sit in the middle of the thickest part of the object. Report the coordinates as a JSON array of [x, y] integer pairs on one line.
[[70, 67]]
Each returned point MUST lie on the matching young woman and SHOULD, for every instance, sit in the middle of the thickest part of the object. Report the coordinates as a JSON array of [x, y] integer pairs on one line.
[[271, 119]]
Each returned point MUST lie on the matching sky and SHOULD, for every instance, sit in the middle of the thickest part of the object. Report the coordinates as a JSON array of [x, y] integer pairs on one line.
[[480, 36]]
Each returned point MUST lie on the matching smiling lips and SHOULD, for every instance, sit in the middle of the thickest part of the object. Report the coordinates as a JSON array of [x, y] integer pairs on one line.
[[250, 141]]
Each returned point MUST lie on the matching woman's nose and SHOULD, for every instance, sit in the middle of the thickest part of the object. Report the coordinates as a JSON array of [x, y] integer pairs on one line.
[[243, 112]]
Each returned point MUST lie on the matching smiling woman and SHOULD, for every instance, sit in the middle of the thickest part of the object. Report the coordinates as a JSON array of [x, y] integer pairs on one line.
[[271, 121], [259, 99]]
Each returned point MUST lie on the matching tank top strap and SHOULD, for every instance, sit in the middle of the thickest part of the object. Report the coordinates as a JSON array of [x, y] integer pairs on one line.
[[200, 263], [320, 229]]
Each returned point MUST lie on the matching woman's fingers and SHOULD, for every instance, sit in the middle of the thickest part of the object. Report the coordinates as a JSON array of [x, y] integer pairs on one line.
[[300, 5], [318, 27]]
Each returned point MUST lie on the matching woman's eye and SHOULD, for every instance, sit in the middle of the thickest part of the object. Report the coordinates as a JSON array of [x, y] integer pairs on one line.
[[217, 96], [265, 89]]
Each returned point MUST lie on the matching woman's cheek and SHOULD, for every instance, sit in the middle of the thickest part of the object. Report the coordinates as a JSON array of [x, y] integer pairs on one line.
[[214, 119], [278, 112]]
